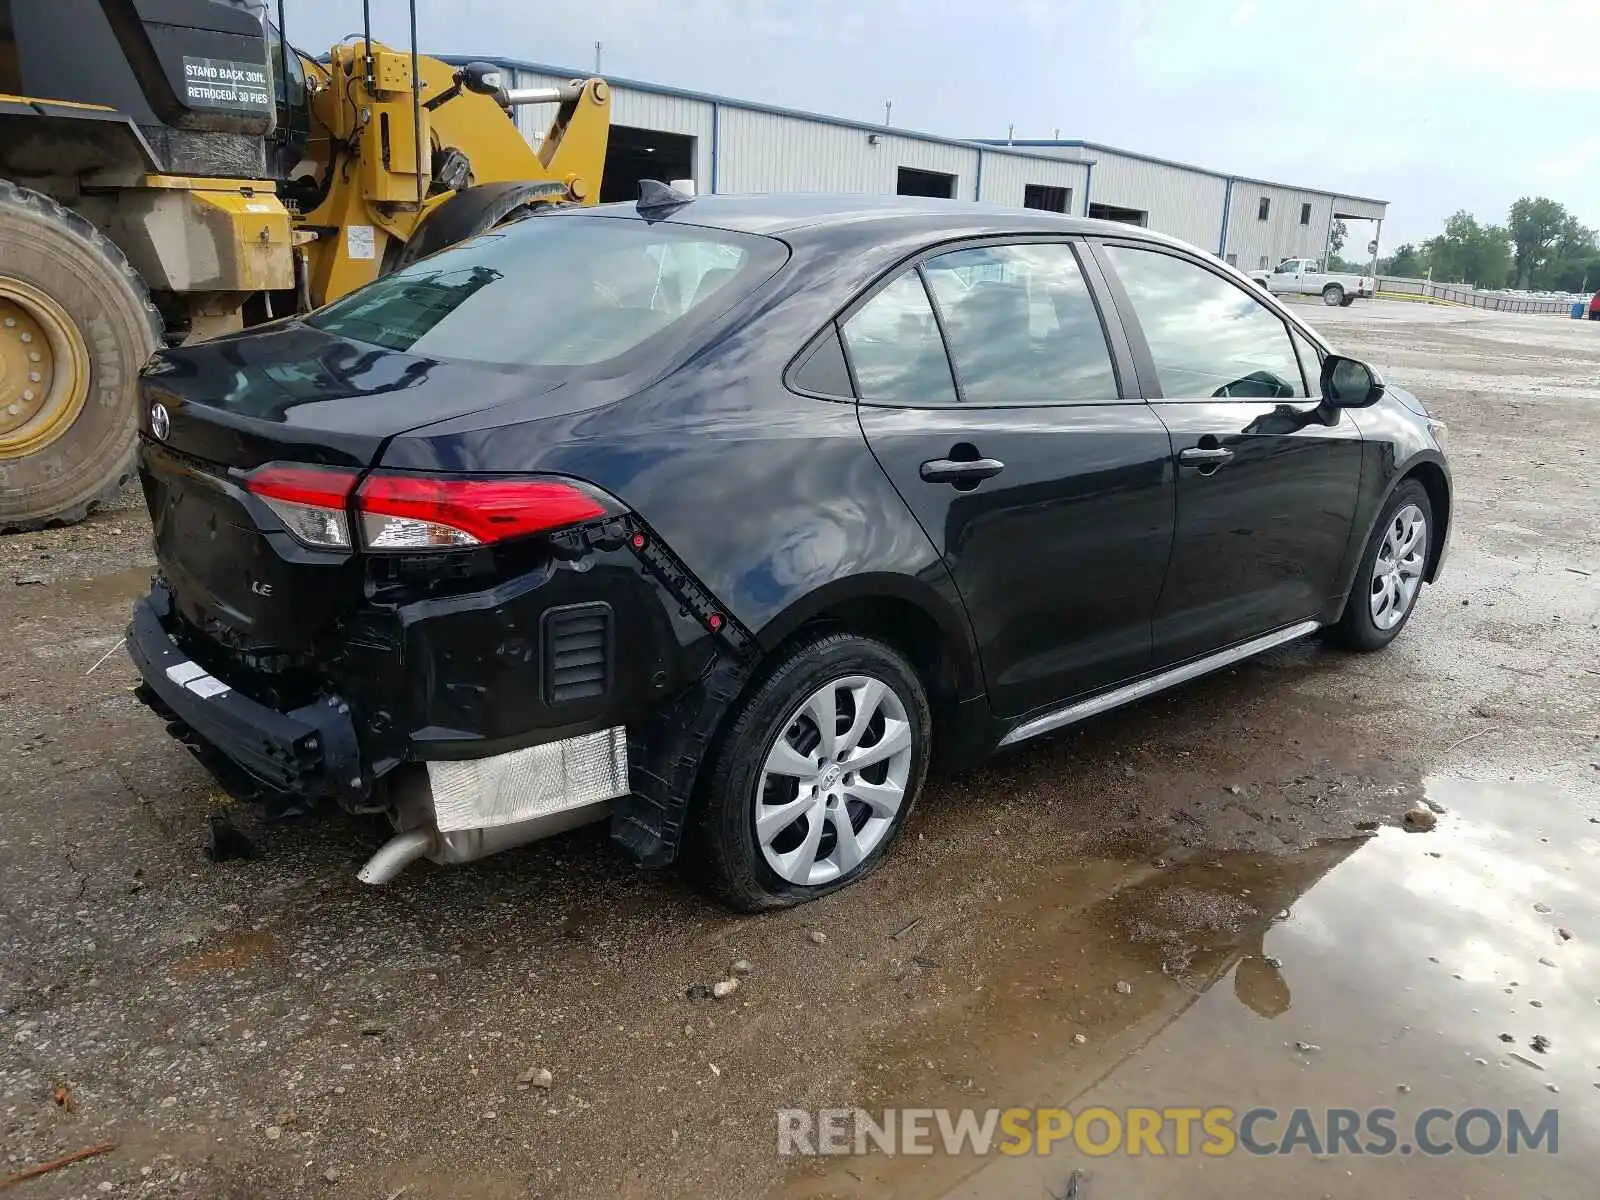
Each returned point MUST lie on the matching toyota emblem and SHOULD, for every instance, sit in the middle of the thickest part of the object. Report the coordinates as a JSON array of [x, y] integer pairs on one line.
[[160, 422]]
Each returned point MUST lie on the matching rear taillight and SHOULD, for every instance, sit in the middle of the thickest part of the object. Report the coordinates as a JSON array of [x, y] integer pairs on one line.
[[419, 512], [403, 512], [310, 501]]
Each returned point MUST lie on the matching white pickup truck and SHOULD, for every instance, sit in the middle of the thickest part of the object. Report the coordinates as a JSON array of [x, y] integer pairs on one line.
[[1305, 277]]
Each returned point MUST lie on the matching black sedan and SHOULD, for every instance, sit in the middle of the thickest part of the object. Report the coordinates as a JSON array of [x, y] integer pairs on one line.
[[723, 518]]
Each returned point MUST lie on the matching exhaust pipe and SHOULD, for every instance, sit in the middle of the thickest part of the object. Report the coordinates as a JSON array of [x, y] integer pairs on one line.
[[577, 788], [395, 855], [468, 845]]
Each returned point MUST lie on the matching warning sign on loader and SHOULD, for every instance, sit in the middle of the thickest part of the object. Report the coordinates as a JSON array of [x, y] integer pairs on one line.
[[221, 83]]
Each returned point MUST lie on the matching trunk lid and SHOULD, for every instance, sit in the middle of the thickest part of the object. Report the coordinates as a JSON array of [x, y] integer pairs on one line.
[[294, 393], [213, 412]]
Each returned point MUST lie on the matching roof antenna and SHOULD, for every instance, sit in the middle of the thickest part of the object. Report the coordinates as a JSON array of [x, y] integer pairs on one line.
[[658, 200]]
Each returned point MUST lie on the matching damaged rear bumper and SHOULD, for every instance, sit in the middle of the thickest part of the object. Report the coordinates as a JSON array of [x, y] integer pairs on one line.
[[308, 752], [450, 811], [636, 770]]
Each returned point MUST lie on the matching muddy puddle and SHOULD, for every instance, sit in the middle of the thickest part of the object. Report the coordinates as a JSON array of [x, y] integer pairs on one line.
[[1454, 970]]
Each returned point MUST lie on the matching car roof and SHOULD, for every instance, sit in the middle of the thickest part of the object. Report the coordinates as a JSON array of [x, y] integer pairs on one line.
[[799, 213]]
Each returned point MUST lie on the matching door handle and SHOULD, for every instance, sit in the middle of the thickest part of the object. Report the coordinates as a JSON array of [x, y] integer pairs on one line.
[[958, 471], [1205, 454]]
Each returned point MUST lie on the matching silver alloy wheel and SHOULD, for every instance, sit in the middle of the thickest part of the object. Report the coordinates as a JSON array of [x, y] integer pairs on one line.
[[1397, 572], [833, 780]]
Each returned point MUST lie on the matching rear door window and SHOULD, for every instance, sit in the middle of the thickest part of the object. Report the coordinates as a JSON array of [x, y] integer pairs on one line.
[[895, 349], [555, 291], [1022, 326], [1209, 337]]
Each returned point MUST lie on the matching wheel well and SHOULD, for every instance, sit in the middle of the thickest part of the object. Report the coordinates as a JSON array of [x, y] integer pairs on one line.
[[909, 629], [1431, 477]]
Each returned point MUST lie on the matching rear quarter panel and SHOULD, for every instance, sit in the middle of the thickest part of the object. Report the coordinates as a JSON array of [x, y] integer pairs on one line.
[[773, 500]]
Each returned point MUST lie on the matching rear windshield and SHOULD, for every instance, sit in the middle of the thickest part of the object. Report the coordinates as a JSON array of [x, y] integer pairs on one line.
[[554, 291]]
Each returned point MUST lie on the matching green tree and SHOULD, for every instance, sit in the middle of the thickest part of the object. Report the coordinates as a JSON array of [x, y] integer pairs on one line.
[[1336, 237], [1571, 260], [1467, 252], [1406, 262], [1577, 274], [1537, 225]]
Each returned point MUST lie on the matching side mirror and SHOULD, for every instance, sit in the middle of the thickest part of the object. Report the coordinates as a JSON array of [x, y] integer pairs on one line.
[[1347, 383], [485, 79]]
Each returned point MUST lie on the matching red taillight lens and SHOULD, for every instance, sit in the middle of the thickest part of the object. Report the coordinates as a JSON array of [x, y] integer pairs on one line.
[[310, 501], [418, 512], [402, 512]]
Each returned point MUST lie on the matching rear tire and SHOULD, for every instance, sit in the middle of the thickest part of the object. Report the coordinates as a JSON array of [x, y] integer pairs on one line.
[[1368, 623], [1333, 295], [72, 452], [773, 726], [1347, 302]]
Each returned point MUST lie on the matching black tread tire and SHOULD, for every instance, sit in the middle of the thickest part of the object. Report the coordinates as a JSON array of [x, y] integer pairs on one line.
[[1335, 291], [1354, 629], [61, 253], [474, 210], [721, 853], [1347, 301]]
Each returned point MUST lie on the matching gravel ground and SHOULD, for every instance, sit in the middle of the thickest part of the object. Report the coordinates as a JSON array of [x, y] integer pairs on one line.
[[271, 1028]]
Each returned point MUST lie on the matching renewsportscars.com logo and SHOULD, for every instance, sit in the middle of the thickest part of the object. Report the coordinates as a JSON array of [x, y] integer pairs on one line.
[[1163, 1132]]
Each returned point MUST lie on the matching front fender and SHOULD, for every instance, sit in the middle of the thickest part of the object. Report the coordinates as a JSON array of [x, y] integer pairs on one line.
[[1397, 446]]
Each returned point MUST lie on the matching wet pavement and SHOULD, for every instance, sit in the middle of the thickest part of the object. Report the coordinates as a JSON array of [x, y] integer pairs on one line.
[[1382, 971], [1232, 852]]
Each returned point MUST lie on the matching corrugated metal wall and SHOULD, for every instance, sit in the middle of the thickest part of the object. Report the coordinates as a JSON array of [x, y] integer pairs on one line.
[[1370, 210], [1265, 243], [1185, 204], [770, 152], [761, 151], [767, 152], [1006, 175]]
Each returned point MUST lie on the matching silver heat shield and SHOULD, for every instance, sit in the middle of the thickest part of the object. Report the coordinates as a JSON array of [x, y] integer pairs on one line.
[[482, 793]]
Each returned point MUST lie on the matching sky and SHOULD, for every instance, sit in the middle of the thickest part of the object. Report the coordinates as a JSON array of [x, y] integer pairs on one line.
[[1433, 105]]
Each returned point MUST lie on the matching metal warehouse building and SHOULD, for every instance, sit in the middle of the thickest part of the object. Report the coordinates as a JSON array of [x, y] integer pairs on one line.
[[727, 145]]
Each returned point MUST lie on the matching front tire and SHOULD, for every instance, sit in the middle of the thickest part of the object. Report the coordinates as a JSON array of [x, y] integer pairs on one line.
[[792, 809], [76, 324], [1333, 295], [1390, 576]]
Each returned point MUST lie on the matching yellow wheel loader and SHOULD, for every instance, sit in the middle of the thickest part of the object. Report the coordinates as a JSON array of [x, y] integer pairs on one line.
[[173, 170]]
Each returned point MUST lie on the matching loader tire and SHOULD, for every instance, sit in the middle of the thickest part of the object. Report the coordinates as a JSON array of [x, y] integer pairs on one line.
[[76, 324], [476, 210]]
